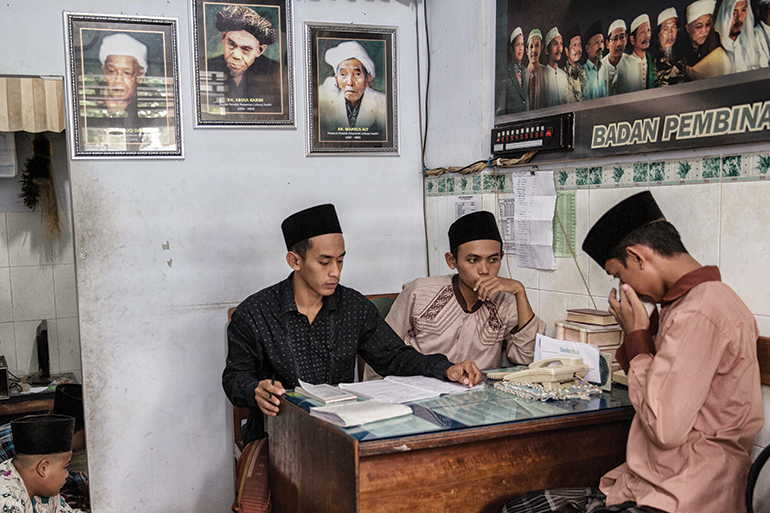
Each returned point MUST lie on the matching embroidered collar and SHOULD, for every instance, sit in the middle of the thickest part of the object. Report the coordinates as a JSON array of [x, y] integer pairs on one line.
[[690, 280]]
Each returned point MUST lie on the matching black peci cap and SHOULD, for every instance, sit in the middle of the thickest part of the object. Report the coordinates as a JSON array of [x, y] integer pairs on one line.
[[43, 434], [595, 28], [622, 219], [311, 222], [474, 226]]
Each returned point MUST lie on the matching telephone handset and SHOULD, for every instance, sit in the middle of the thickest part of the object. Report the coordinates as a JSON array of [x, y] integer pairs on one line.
[[553, 372]]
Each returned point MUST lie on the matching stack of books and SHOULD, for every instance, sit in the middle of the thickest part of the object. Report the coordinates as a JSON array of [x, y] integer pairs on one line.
[[590, 326], [591, 316]]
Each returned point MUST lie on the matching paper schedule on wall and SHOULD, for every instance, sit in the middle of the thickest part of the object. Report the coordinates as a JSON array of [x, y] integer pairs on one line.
[[535, 201], [466, 204]]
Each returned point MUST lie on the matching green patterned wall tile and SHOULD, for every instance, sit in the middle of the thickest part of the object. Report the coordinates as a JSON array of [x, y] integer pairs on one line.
[[758, 165], [711, 170], [450, 185], [581, 177], [490, 184], [431, 187], [442, 185], [565, 179], [619, 175], [732, 168], [463, 184], [641, 173], [657, 174], [501, 182], [595, 176], [677, 171], [682, 170], [476, 183]]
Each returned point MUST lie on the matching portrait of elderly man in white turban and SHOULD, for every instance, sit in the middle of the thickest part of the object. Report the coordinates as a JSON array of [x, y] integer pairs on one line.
[[124, 65], [347, 100]]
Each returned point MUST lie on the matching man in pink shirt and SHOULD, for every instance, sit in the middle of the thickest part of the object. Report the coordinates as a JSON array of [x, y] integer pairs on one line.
[[693, 379]]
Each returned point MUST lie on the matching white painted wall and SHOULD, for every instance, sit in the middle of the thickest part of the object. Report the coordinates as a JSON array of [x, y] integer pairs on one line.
[[152, 320]]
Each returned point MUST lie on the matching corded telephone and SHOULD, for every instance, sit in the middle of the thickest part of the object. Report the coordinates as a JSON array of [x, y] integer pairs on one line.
[[553, 372]]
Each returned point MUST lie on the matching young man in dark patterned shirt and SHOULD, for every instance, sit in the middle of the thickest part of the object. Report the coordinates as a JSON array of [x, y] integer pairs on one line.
[[310, 327]]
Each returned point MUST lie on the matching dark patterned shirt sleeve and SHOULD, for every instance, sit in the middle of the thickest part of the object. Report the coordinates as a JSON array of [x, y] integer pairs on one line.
[[244, 361]]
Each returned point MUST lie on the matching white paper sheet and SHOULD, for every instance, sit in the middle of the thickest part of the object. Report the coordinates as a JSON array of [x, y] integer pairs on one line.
[[535, 201], [404, 389], [546, 347], [466, 205]]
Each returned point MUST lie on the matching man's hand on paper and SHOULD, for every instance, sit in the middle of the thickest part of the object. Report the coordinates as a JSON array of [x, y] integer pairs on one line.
[[629, 310], [266, 395], [466, 373]]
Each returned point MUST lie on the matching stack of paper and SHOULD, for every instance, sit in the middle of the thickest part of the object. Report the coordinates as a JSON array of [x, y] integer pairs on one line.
[[359, 412]]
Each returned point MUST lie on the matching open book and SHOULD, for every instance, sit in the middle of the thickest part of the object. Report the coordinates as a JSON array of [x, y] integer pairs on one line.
[[359, 412], [405, 389]]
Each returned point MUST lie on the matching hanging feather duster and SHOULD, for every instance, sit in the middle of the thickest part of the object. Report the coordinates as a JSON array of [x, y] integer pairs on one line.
[[37, 186]]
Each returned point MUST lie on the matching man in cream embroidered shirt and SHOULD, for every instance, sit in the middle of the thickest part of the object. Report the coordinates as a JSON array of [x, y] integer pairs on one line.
[[474, 312]]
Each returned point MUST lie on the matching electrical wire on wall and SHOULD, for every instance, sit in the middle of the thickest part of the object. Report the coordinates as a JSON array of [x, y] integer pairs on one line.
[[476, 167]]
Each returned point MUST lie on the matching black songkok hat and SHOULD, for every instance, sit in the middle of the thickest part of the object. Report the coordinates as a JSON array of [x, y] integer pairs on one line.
[[474, 226], [68, 400], [571, 32], [43, 434], [311, 222], [635, 212], [595, 28]]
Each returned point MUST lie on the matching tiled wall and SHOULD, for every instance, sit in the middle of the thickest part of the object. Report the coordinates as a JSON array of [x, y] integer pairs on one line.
[[37, 281], [718, 203]]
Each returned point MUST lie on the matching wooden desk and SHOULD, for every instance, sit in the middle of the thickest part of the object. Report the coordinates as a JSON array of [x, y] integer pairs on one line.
[[315, 466]]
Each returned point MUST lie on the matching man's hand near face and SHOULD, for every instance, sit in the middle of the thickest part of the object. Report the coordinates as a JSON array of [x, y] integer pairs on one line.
[[488, 286], [629, 310]]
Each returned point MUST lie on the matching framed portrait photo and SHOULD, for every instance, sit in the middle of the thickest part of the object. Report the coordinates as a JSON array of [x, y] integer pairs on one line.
[[243, 62], [352, 89], [124, 86]]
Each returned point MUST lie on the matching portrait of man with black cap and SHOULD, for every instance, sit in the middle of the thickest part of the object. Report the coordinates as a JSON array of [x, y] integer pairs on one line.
[[693, 375], [473, 314], [310, 327], [30, 482], [593, 42], [576, 74], [243, 78]]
